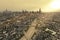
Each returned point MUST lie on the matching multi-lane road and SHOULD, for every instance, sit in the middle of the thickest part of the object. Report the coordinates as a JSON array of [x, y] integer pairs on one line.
[[40, 21], [42, 18]]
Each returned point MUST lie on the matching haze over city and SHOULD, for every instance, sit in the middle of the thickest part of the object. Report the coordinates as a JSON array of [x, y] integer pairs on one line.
[[17, 5], [29, 19]]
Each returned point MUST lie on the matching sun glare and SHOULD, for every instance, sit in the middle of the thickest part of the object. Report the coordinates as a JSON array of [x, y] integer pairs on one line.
[[53, 6]]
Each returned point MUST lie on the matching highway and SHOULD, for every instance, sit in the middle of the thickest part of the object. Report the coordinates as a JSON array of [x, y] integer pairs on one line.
[[40, 19]]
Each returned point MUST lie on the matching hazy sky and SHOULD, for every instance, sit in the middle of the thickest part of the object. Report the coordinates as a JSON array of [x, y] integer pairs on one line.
[[23, 4]]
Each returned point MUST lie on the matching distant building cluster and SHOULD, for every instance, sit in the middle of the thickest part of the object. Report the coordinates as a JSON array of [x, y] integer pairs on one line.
[[23, 11]]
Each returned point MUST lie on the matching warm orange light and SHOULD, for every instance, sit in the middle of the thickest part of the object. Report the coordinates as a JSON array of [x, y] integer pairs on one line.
[[53, 6]]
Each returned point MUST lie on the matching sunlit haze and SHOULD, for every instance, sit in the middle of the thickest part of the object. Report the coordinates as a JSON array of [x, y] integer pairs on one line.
[[16, 5], [53, 6]]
